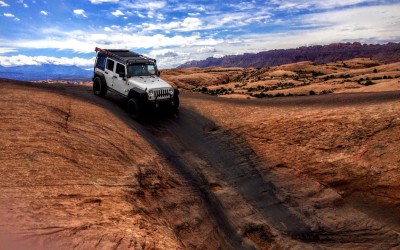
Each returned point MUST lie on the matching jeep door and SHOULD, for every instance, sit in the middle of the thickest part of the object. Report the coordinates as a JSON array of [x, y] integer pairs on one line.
[[118, 81], [109, 72]]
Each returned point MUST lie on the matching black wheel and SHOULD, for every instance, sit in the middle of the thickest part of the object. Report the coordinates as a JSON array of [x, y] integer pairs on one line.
[[99, 87], [134, 108], [175, 106]]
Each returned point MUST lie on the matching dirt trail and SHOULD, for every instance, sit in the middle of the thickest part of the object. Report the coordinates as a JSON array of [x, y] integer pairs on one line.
[[246, 195], [247, 205], [244, 198]]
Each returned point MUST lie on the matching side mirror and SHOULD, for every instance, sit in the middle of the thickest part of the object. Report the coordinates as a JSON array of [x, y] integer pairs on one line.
[[122, 75], [158, 73]]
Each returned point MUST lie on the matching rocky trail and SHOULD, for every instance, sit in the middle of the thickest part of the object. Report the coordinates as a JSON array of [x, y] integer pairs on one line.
[[220, 193]]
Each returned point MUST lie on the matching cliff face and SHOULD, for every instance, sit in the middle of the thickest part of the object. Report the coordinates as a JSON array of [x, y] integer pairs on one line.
[[319, 54]]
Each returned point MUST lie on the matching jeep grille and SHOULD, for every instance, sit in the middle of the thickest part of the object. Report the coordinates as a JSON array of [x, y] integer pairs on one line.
[[161, 94]]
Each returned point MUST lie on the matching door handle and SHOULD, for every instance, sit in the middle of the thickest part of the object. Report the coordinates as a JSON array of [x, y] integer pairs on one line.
[[114, 77]]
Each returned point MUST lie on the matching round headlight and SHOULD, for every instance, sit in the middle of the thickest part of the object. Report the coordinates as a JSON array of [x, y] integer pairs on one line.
[[171, 91], [151, 92]]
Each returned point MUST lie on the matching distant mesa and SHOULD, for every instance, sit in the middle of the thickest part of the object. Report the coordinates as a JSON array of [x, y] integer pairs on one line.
[[45, 72], [318, 54]]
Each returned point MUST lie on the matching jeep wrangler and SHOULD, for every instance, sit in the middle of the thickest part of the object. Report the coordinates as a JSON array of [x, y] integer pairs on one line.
[[134, 77]]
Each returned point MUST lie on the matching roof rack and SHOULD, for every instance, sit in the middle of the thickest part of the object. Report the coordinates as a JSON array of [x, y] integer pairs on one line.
[[125, 55]]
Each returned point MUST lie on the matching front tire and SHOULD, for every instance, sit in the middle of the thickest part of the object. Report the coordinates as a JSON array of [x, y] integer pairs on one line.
[[99, 87], [134, 108], [176, 104]]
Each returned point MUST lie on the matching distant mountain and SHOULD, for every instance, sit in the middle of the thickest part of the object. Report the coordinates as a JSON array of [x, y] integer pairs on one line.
[[45, 72], [319, 54]]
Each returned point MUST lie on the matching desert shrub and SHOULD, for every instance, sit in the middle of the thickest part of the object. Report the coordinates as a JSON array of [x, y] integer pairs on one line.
[[315, 74], [279, 95], [375, 71], [369, 82], [204, 89], [312, 92], [326, 92]]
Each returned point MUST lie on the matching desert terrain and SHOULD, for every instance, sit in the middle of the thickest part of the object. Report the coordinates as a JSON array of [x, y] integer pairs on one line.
[[296, 79], [247, 172]]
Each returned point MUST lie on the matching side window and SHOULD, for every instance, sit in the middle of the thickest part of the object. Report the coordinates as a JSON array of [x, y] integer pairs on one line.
[[101, 62], [120, 69], [110, 64]]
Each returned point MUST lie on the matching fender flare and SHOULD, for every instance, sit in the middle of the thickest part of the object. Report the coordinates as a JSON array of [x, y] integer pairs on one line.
[[138, 93], [101, 76]]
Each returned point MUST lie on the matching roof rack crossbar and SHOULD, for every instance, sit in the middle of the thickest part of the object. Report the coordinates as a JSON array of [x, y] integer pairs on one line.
[[109, 52], [97, 49]]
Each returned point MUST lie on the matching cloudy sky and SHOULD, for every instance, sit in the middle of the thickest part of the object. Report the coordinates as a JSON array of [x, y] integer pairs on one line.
[[67, 31]]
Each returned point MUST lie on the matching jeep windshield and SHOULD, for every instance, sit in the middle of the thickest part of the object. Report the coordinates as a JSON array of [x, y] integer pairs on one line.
[[142, 70]]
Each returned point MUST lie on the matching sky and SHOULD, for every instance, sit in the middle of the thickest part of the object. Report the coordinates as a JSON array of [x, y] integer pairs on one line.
[[66, 32]]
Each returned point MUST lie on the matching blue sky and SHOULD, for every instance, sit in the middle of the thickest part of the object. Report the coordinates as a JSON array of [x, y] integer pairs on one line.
[[67, 31]]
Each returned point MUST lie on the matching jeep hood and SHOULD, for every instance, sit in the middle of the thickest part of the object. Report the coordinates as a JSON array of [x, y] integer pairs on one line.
[[148, 82]]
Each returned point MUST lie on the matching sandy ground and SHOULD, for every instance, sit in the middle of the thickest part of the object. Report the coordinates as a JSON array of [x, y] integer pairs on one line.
[[294, 172]]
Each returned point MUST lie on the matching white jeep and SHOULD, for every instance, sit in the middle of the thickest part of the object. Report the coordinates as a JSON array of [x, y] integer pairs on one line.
[[134, 77]]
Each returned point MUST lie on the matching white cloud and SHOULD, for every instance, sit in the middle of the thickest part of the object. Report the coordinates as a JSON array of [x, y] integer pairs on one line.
[[206, 50], [21, 60], [140, 14], [44, 13], [23, 4], [163, 53], [3, 4], [117, 13], [187, 24], [113, 37], [8, 15], [191, 23], [315, 4], [80, 12], [103, 1], [4, 50], [168, 58], [143, 4]]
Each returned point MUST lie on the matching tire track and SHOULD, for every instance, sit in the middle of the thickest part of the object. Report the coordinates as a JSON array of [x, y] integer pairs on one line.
[[235, 164]]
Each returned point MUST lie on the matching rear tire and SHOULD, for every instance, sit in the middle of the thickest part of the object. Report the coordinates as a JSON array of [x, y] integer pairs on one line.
[[99, 87], [134, 108]]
